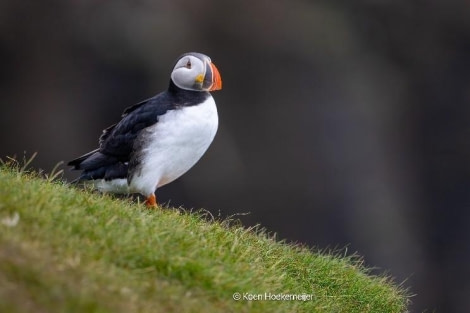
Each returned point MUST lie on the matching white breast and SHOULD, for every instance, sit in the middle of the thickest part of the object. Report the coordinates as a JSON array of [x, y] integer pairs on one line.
[[173, 145]]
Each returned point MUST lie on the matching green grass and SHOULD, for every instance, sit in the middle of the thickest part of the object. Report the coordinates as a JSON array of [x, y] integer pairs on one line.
[[73, 250]]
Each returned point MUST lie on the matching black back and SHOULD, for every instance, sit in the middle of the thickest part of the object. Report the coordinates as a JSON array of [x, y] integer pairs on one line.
[[111, 159]]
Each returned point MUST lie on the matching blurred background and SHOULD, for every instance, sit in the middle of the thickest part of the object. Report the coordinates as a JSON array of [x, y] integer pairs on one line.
[[342, 123]]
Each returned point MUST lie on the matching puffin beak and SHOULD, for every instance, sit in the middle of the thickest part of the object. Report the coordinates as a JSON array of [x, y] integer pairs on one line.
[[216, 80], [212, 80]]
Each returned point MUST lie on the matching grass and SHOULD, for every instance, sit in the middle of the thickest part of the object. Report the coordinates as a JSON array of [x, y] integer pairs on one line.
[[64, 249]]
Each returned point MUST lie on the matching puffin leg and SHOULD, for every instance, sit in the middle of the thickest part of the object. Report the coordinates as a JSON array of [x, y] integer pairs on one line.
[[151, 201]]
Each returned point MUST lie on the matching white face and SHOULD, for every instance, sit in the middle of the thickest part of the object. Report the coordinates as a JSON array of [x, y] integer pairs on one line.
[[189, 72]]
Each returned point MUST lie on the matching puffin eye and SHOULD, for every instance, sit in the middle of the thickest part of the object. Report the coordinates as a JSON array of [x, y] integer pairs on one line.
[[188, 64]]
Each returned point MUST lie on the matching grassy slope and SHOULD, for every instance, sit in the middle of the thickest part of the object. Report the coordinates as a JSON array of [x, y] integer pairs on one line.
[[76, 251]]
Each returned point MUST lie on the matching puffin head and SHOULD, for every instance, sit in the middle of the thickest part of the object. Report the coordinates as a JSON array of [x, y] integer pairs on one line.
[[195, 71]]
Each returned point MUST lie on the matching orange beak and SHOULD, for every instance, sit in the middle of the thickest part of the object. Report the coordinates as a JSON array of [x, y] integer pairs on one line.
[[216, 80]]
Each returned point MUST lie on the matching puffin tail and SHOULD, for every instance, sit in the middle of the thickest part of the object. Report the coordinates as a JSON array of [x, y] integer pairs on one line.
[[96, 165], [76, 163]]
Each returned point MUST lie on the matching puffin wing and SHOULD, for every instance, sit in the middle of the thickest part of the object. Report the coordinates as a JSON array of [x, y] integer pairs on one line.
[[111, 159], [108, 131], [118, 140]]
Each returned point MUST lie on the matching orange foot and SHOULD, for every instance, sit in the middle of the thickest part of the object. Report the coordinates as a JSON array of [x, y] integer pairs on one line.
[[151, 201]]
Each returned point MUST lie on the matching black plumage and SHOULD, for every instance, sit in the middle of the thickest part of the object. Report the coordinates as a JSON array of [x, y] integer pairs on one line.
[[118, 144]]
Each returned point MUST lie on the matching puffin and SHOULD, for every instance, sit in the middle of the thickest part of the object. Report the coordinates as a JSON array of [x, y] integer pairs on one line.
[[159, 139]]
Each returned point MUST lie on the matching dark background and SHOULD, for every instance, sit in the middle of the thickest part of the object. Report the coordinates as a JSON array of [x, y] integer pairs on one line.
[[342, 123]]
